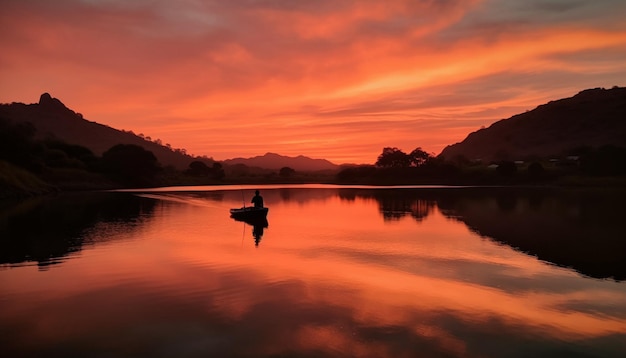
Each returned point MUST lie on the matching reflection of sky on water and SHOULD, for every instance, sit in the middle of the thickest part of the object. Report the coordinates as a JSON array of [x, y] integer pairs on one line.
[[331, 276]]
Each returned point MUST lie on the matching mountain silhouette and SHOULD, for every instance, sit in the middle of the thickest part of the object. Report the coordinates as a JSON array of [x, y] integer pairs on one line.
[[276, 161], [592, 118], [53, 120]]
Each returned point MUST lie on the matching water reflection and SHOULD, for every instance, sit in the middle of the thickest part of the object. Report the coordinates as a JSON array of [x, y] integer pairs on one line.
[[395, 204], [581, 229], [48, 229], [343, 272], [258, 227]]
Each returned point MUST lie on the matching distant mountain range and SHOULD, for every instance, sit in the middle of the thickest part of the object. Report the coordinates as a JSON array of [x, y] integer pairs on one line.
[[593, 118], [276, 161]]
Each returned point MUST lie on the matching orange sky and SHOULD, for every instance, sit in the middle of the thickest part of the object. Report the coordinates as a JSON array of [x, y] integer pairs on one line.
[[328, 79]]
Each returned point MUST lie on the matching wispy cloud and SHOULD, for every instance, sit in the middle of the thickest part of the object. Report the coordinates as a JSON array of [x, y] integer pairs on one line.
[[325, 78]]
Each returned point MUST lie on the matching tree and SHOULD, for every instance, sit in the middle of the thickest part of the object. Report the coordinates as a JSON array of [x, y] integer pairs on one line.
[[393, 158], [68, 155], [418, 157], [17, 143], [198, 168], [218, 171], [356, 173], [131, 164], [286, 172]]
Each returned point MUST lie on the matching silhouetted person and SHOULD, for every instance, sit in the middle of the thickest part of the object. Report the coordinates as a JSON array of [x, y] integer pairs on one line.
[[257, 200]]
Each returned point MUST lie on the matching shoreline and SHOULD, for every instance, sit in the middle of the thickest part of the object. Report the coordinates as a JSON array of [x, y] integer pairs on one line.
[[11, 192]]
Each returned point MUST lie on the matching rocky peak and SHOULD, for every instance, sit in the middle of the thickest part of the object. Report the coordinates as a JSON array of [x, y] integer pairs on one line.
[[48, 101], [45, 98]]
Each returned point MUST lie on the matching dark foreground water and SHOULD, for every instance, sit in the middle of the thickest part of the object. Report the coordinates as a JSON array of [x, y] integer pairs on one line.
[[333, 272]]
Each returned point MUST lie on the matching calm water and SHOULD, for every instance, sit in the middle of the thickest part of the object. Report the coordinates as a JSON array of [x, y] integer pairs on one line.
[[334, 272]]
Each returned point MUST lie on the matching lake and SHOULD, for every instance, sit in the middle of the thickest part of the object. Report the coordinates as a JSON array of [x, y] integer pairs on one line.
[[334, 271]]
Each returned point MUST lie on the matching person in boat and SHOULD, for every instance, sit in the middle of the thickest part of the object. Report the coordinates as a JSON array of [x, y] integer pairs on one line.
[[257, 200]]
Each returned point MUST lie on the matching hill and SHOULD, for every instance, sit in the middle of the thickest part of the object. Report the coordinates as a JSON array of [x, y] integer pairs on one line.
[[52, 119], [592, 118], [276, 161]]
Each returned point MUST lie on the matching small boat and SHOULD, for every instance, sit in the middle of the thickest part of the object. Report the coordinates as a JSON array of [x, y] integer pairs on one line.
[[249, 213]]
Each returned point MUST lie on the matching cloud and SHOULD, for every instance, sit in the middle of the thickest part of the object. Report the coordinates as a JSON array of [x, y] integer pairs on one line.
[[192, 70]]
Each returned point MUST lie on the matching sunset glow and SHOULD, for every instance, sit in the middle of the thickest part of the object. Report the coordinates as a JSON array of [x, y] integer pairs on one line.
[[434, 278], [325, 79]]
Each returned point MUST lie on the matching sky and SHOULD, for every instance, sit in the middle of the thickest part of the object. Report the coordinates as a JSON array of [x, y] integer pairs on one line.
[[333, 79]]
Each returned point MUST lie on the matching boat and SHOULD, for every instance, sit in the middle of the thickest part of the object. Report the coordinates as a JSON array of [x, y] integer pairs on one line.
[[248, 213]]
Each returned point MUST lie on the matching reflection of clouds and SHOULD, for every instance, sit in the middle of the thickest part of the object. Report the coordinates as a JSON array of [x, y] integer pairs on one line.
[[495, 291], [244, 312], [348, 284], [500, 273]]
